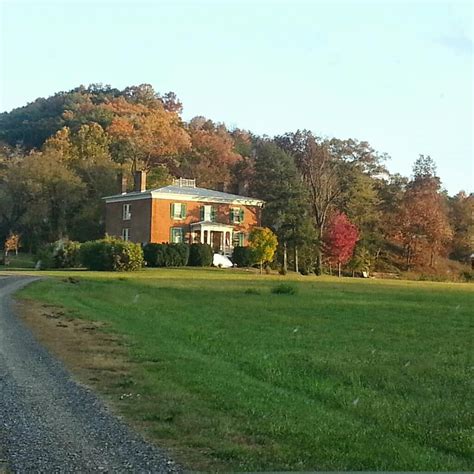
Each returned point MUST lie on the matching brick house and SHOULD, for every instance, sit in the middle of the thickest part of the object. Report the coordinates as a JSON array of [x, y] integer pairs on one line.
[[181, 212]]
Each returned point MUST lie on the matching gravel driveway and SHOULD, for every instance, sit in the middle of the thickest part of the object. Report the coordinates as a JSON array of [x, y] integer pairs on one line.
[[49, 423]]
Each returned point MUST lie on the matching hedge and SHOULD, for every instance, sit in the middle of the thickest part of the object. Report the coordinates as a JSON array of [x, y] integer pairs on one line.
[[166, 255], [200, 255], [111, 254]]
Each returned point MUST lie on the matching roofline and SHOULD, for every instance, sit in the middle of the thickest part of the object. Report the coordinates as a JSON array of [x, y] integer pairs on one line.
[[155, 194]]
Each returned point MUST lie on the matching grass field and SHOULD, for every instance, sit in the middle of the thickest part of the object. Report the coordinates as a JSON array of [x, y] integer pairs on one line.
[[342, 375]]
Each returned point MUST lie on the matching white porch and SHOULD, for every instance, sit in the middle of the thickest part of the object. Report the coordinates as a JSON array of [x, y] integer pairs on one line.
[[218, 236]]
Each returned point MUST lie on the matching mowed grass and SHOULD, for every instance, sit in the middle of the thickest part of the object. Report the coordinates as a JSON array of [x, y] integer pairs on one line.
[[343, 374]]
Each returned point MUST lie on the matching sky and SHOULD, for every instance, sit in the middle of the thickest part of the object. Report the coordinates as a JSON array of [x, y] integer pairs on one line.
[[398, 74]]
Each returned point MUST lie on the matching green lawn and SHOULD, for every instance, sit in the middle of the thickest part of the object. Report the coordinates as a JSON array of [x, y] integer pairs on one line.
[[345, 374]]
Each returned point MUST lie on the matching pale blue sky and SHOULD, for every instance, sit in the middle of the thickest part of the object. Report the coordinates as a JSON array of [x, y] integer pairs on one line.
[[398, 74]]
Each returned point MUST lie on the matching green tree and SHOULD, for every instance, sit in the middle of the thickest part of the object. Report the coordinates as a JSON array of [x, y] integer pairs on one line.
[[276, 181]]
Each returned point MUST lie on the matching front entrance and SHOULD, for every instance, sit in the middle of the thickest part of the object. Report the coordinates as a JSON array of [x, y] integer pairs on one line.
[[216, 241], [218, 236]]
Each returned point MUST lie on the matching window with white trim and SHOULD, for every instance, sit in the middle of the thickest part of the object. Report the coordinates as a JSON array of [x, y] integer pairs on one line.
[[177, 235], [207, 213], [178, 210], [126, 233], [238, 239], [126, 212], [236, 215]]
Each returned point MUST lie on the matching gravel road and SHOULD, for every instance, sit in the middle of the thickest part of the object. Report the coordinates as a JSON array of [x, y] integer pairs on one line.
[[48, 422]]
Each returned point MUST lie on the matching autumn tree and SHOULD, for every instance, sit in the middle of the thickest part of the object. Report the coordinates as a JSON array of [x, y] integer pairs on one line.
[[422, 222], [146, 137], [263, 243], [211, 156], [461, 217], [340, 240]]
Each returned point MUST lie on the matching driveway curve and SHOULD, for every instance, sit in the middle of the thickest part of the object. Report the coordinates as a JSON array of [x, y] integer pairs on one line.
[[50, 423]]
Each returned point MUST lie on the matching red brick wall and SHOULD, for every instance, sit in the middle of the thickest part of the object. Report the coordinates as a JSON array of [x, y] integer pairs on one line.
[[139, 224], [162, 221], [145, 228]]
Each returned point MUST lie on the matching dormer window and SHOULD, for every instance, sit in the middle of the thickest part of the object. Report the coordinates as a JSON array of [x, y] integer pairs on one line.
[[126, 212]]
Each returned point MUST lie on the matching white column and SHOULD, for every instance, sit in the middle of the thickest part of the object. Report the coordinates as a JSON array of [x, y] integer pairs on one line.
[[209, 237], [202, 234], [222, 249]]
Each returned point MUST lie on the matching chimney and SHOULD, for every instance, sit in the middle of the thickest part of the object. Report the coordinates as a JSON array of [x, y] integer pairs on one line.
[[139, 181], [122, 183]]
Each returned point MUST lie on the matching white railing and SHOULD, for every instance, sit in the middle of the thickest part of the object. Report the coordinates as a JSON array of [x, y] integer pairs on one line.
[[184, 183]]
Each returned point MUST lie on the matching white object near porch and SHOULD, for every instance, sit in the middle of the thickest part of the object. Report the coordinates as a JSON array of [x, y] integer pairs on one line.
[[218, 236], [221, 261]]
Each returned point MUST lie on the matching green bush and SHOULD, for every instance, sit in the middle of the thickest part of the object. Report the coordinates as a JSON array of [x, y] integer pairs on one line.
[[59, 254], [166, 255], [243, 256], [111, 254], [200, 255], [284, 289]]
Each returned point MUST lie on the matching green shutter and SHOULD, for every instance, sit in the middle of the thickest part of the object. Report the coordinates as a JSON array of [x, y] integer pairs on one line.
[[183, 211], [241, 239], [213, 214], [171, 234], [241, 215], [231, 215], [172, 210]]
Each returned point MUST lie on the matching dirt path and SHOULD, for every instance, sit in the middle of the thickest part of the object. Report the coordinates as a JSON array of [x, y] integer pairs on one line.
[[48, 422]]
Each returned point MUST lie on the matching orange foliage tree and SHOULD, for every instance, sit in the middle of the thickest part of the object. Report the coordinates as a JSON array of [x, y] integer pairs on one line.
[[422, 225], [146, 136]]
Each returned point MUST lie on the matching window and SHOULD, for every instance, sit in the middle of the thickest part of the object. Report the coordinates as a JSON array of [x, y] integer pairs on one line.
[[127, 215], [208, 213], [178, 210], [236, 215], [238, 239], [126, 233], [177, 235]]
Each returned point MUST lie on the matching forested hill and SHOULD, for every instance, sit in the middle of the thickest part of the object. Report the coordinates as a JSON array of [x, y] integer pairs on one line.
[[60, 155]]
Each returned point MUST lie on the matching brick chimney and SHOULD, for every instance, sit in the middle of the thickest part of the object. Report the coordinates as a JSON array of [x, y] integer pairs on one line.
[[139, 181], [122, 183]]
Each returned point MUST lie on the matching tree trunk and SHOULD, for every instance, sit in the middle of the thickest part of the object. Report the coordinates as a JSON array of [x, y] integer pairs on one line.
[[296, 260], [261, 268], [319, 262], [285, 258], [339, 269]]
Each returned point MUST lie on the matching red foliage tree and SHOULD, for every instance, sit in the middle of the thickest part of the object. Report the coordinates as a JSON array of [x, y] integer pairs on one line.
[[340, 239]]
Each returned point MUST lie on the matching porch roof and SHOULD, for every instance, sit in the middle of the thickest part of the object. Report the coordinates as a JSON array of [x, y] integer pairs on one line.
[[212, 225]]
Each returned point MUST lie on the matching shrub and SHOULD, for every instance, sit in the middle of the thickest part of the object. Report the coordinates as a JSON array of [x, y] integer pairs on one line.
[[284, 289], [111, 254], [200, 255], [252, 291], [468, 276], [243, 256], [166, 255], [59, 254]]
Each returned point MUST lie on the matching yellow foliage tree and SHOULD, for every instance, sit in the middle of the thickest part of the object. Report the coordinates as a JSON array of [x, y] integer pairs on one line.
[[263, 243]]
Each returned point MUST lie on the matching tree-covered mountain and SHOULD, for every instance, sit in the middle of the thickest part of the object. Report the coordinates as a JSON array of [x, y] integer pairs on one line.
[[59, 155]]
